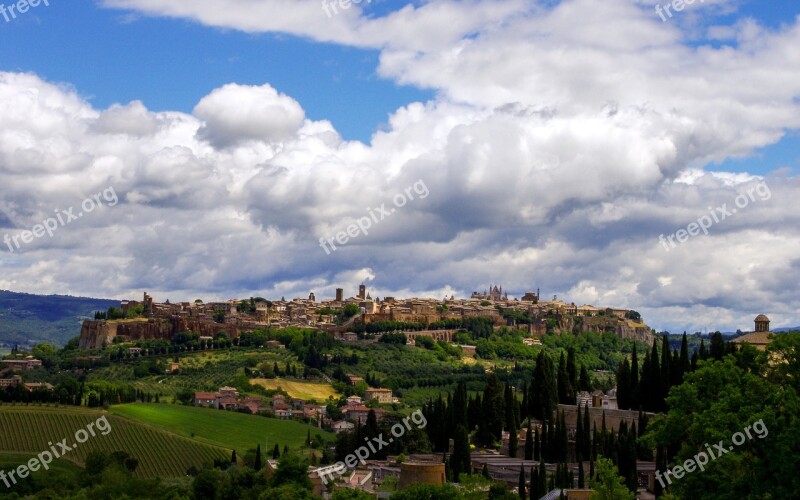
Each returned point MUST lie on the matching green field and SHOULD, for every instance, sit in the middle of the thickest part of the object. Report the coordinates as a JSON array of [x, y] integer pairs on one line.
[[28, 429], [4, 351], [220, 428]]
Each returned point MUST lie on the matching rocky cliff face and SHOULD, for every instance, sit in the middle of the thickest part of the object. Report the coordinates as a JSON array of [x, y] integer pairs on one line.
[[624, 329], [96, 334]]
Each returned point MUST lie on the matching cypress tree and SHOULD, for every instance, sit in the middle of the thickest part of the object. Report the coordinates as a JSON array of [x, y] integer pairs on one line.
[[563, 439], [534, 489], [563, 381], [572, 374], [581, 478], [460, 406], [634, 385], [665, 370], [490, 427], [587, 434], [717, 346], [257, 465], [508, 400], [521, 484], [285, 449], [623, 385], [544, 451], [544, 395], [486, 471], [525, 406], [703, 354], [579, 430], [233, 457], [585, 383], [460, 461], [684, 363], [537, 445], [542, 479], [513, 438], [529, 443]]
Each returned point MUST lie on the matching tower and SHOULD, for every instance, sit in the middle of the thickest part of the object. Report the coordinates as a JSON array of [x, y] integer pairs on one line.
[[362, 291], [762, 323], [339, 295]]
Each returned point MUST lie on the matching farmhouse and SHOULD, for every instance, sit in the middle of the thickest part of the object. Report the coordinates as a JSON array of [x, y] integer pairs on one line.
[[227, 399], [360, 413], [21, 364], [381, 395], [10, 382]]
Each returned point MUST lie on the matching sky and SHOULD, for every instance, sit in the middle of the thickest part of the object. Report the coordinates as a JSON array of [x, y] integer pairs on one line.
[[609, 153]]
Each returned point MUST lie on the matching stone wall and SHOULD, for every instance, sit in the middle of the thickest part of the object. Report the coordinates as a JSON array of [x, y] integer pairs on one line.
[[98, 333]]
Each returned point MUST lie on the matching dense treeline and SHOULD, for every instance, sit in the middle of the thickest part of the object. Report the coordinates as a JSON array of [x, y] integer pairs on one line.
[[478, 327], [482, 418], [661, 370], [727, 391]]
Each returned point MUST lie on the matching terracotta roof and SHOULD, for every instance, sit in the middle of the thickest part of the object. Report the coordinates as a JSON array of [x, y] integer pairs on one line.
[[367, 409], [205, 395], [762, 317], [755, 338]]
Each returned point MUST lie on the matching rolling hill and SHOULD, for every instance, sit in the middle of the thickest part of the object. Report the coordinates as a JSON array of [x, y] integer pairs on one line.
[[27, 319], [224, 429], [30, 429]]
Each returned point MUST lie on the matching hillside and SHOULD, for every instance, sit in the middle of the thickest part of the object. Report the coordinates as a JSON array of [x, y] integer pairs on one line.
[[160, 453], [27, 319], [225, 429]]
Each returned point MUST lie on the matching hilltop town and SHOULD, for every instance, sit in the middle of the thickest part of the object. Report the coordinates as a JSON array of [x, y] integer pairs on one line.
[[147, 319]]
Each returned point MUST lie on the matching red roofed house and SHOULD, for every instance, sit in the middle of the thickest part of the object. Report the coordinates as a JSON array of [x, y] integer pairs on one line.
[[208, 399], [360, 414]]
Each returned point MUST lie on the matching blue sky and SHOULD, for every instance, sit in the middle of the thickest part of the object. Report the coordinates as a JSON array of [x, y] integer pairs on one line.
[[112, 57]]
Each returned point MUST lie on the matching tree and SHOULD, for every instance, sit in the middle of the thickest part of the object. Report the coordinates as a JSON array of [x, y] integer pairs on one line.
[[572, 374], [490, 428], [521, 483], [717, 346], [607, 483], [291, 470], [529, 443], [563, 385], [257, 465], [460, 460], [721, 399], [585, 383], [702, 352], [624, 392], [233, 457], [276, 452], [544, 392]]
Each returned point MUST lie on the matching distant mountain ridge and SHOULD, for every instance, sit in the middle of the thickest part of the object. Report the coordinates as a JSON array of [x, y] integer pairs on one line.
[[27, 319]]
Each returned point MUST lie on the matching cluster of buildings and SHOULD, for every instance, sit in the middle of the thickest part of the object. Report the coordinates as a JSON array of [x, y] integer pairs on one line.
[[22, 365], [429, 468], [160, 320], [227, 398], [354, 410]]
